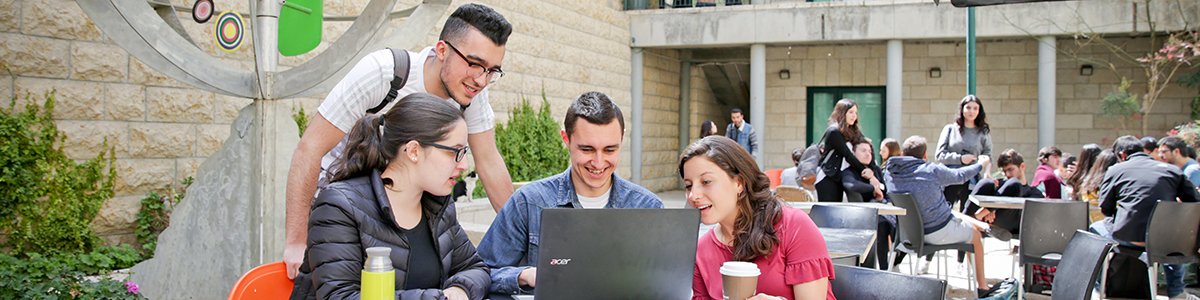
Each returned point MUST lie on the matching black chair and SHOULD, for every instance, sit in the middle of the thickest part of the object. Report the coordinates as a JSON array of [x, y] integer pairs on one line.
[[910, 238], [861, 283], [1082, 262], [1046, 228], [845, 260], [849, 217], [1171, 236]]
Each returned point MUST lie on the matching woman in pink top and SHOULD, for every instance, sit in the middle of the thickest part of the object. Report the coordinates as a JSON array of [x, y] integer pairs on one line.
[[724, 182]]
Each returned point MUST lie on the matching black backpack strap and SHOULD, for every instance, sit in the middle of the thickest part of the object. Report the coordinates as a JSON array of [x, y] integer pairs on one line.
[[400, 77]]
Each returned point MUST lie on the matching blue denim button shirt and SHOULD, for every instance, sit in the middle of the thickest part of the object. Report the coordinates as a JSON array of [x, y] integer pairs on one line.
[[511, 243]]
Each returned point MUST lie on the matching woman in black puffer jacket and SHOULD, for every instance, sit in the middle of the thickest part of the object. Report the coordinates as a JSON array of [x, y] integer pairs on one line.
[[392, 191]]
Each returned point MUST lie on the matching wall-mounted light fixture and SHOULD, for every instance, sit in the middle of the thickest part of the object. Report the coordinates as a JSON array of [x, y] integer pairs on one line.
[[785, 74], [935, 72], [1085, 70]]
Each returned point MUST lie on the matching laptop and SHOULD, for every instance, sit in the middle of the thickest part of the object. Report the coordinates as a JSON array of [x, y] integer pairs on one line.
[[617, 253]]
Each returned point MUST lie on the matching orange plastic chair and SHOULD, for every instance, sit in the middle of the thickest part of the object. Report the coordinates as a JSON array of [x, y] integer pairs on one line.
[[775, 175], [267, 281]]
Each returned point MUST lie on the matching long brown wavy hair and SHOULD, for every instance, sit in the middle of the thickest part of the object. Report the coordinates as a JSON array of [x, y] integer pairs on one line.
[[757, 208], [838, 117]]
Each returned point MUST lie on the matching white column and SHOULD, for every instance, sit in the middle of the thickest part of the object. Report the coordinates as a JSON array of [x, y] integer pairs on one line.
[[685, 104], [758, 95], [895, 88], [1046, 84], [635, 154]]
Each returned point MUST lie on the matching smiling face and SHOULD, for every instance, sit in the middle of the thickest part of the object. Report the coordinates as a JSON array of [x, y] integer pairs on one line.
[[460, 73], [437, 167], [711, 190], [595, 152]]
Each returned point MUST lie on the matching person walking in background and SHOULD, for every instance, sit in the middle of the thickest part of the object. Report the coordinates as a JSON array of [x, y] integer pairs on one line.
[[1049, 159], [836, 154], [752, 225], [707, 128], [742, 132], [1087, 158], [962, 142]]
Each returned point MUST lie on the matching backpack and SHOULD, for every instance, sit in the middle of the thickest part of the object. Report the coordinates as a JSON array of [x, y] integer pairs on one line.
[[400, 77]]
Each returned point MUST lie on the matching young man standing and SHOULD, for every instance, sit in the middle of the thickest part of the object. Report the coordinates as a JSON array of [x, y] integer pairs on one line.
[[742, 132], [594, 130], [459, 67], [912, 174]]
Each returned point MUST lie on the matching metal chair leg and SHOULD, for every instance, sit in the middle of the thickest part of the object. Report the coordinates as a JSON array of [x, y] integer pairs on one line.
[[1104, 273], [1153, 270]]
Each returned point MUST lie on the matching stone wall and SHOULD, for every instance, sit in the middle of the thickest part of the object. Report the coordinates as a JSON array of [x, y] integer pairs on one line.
[[163, 130]]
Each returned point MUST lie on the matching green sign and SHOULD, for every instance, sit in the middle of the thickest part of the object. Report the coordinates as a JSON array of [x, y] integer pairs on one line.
[[299, 26]]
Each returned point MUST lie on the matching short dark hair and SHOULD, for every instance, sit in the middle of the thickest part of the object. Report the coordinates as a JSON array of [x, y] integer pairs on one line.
[[735, 111], [1046, 152], [796, 155], [1149, 143], [595, 107], [478, 16], [1009, 157], [914, 146], [1175, 143], [1127, 145]]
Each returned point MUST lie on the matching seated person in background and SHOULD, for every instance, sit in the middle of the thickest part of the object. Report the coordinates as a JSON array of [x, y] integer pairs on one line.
[[1004, 222], [887, 148], [867, 185], [1049, 160], [593, 134], [789, 176], [392, 190], [912, 174], [1173, 150], [724, 182], [1130, 191]]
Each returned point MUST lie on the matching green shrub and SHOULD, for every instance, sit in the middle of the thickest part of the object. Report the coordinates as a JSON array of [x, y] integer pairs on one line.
[[530, 142], [62, 276], [47, 200], [301, 119], [155, 215]]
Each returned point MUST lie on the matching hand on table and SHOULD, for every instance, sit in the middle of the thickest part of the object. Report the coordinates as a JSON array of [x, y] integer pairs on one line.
[[528, 277], [455, 293]]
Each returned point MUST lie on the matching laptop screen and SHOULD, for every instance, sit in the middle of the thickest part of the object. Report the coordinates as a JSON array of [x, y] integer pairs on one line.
[[617, 253]]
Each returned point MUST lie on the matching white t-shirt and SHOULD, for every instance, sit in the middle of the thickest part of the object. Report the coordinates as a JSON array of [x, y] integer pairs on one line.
[[365, 86], [595, 202]]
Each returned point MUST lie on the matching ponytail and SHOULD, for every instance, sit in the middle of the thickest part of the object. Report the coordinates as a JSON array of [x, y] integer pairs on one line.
[[376, 138], [363, 150]]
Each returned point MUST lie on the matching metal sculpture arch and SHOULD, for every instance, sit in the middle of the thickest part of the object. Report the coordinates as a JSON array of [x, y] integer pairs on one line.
[[144, 32]]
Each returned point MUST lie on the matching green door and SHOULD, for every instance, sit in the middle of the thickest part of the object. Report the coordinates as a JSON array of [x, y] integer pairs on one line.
[[871, 110]]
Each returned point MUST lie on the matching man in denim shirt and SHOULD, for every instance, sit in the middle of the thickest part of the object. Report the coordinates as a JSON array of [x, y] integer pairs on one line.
[[510, 247]]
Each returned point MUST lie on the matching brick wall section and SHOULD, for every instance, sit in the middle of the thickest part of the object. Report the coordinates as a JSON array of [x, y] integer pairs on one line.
[[661, 118]]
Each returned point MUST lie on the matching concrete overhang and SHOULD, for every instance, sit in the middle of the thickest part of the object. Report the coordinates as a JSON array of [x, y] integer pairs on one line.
[[866, 20]]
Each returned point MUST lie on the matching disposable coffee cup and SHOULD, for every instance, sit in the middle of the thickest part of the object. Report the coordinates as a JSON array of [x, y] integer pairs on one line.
[[739, 280]]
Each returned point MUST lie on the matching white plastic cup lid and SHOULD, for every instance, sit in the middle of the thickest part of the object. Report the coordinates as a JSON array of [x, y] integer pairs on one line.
[[739, 268]]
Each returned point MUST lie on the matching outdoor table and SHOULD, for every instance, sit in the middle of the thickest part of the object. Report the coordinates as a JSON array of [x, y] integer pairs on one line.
[[884, 209], [1011, 202], [998, 202], [841, 241], [838, 241]]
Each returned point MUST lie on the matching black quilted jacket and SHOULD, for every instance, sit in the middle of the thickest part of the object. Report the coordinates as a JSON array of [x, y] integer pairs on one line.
[[352, 215]]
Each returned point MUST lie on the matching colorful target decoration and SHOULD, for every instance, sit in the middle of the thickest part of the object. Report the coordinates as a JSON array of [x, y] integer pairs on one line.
[[229, 30], [202, 10]]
